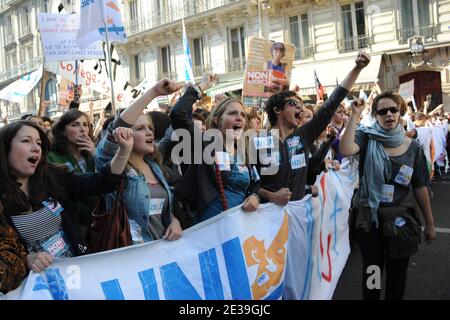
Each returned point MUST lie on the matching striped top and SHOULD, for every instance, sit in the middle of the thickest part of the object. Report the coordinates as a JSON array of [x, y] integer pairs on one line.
[[41, 229]]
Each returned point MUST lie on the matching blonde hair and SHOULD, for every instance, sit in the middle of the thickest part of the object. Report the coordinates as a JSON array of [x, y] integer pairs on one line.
[[218, 112]]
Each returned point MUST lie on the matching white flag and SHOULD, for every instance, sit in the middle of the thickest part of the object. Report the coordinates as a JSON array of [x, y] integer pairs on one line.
[[188, 74], [92, 28], [19, 89]]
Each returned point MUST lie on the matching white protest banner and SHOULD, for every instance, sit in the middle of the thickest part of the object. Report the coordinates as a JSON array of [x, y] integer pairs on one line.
[[19, 89], [406, 89], [58, 35], [297, 251], [92, 74], [93, 28]]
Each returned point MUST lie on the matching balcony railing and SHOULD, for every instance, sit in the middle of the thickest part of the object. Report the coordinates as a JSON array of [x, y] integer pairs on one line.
[[21, 69], [26, 30], [170, 75], [201, 70], [236, 64], [429, 32], [172, 13], [10, 39], [304, 52], [355, 43]]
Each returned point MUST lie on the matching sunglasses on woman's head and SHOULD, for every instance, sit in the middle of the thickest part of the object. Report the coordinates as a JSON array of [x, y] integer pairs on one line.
[[383, 112]]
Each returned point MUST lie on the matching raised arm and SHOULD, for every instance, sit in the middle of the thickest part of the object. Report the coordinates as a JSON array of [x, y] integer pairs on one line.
[[163, 87], [348, 147], [315, 127]]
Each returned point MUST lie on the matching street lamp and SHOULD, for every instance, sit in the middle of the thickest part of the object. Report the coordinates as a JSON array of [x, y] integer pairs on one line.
[[262, 4]]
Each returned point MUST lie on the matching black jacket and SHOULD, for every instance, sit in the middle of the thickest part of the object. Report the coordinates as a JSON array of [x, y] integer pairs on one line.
[[298, 144], [77, 185], [198, 186]]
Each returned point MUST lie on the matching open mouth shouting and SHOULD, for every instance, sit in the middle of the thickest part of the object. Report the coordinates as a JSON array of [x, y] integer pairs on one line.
[[33, 160]]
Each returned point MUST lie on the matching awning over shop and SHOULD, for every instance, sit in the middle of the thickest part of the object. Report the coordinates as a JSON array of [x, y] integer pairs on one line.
[[328, 71], [225, 87]]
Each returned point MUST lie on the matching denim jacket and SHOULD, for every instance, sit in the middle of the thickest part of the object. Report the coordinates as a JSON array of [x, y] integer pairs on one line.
[[136, 194]]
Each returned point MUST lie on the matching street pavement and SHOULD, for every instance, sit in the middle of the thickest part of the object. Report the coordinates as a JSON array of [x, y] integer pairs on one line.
[[429, 269]]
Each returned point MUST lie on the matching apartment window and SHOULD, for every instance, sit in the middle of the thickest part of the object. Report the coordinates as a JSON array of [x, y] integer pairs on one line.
[[133, 10], [27, 54], [9, 30], [354, 35], [25, 21], [166, 66], [416, 19], [299, 32], [11, 60], [237, 49], [137, 67], [198, 51]]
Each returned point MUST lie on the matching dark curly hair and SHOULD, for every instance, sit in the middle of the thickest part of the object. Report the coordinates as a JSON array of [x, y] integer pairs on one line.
[[59, 139], [277, 101]]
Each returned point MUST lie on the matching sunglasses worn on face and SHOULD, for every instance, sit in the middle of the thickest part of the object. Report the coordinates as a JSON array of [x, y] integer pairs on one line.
[[292, 103], [384, 111]]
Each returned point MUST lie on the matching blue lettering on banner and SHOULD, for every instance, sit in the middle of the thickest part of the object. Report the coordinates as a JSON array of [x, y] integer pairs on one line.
[[175, 284], [211, 275], [149, 284], [85, 3], [112, 290], [236, 269], [40, 284], [56, 284]]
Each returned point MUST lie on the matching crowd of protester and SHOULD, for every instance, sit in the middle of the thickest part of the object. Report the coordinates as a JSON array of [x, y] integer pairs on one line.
[[53, 175]]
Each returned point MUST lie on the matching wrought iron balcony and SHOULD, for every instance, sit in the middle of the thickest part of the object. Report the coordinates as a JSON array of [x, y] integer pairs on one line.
[[304, 52], [201, 70], [236, 64], [10, 39], [25, 31], [170, 75], [21, 69], [429, 32], [355, 43], [172, 13]]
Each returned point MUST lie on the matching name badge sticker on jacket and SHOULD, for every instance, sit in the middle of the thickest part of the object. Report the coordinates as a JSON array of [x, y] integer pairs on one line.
[[56, 245], [223, 161], [387, 195], [254, 174], [54, 206], [156, 206], [298, 161], [263, 142], [404, 175]]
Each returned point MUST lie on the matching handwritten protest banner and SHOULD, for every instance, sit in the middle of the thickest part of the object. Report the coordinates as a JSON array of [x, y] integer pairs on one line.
[[58, 35]]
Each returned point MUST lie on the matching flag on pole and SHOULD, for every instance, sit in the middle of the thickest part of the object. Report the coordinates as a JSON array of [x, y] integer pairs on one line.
[[19, 89], [362, 95], [188, 73], [319, 87], [92, 28]]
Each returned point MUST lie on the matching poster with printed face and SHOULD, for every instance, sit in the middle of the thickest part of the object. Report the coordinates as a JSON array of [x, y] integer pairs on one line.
[[66, 92], [268, 70]]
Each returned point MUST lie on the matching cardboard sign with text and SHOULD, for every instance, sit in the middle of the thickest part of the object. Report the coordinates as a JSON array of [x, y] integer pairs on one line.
[[268, 70]]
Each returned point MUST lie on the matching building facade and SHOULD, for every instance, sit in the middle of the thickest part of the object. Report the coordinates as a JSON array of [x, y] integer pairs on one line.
[[408, 39], [327, 34]]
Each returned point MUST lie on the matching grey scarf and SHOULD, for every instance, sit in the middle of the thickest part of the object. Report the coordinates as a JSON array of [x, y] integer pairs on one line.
[[377, 167]]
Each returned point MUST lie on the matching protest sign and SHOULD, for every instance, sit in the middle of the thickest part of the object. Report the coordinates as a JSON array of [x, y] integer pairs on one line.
[[268, 69]]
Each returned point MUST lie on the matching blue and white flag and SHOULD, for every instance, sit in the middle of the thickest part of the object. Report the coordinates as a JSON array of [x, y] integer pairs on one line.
[[362, 95], [19, 89], [188, 74], [93, 13]]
